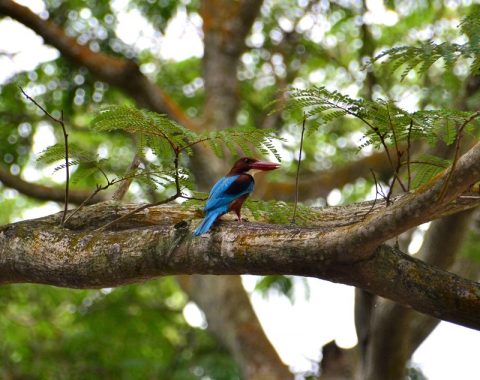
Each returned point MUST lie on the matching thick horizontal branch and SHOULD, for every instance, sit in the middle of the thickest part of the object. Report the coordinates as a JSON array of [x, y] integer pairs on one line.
[[412, 209], [45, 193], [159, 242], [115, 71]]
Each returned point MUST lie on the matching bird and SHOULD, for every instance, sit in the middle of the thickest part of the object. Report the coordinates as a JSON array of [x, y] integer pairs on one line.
[[229, 193]]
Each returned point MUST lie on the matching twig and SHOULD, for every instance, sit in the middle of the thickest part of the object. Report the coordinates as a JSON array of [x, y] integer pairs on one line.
[[177, 194], [127, 178], [396, 178], [65, 138], [123, 188], [177, 176], [408, 155], [399, 154], [197, 199], [376, 194], [370, 125], [298, 171], [138, 209], [457, 153], [67, 168], [390, 190], [97, 190]]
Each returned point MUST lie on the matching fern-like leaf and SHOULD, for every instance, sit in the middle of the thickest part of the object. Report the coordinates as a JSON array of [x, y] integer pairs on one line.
[[385, 122], [247, 140], [151, 126], [164, 136], [426, 167], [421, 58], [56, 153]]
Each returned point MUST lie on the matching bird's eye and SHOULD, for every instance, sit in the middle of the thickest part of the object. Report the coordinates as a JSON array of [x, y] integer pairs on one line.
[[246, 160]]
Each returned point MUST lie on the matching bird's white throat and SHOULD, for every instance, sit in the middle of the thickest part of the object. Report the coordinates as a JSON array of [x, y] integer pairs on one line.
[[252, 172]]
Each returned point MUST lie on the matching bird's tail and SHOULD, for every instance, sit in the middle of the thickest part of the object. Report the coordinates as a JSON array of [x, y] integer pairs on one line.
[[207, 223]]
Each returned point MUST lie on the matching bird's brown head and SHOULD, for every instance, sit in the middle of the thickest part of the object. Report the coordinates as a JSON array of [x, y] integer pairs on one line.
[[251, 166]]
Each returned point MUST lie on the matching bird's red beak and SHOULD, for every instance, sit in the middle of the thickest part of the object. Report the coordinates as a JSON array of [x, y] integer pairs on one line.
[[264, 165]]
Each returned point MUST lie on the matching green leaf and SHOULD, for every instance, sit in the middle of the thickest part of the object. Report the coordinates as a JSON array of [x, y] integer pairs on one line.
[[281, 284], [426, 167], [421, 58], [56, 153]]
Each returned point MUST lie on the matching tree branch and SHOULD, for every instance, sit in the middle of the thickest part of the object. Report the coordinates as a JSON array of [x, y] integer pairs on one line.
[[158, 242], [43, 192], [396, 330], [409, 211], [115, 71]]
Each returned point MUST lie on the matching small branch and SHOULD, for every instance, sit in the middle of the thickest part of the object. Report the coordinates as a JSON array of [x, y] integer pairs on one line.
[[390, 190], [138, 209], [376, 193], [177, 150], [67, 169], [177, 176], [65, 138], [378, 187], [370, 125], [298, 171], [128, 179], [409, 145], [123, 188], [399, 155], [396, 178], [185, 147], [208, 138], [457, 153], [103, 173], [97, 190], [204, 199]]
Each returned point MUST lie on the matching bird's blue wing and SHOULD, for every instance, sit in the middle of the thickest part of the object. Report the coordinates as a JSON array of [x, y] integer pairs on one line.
[[222, 185], [226, 190]]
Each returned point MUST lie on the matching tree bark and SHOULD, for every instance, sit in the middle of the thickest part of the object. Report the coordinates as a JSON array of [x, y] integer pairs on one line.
[[393, 326], [158, 242], [389, 333], [226, 25]]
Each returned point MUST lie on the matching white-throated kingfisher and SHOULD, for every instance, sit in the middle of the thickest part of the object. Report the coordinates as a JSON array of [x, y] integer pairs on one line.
[[229, 193]]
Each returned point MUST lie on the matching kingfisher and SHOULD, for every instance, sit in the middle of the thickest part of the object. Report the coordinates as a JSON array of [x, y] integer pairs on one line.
[[229, 193]]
